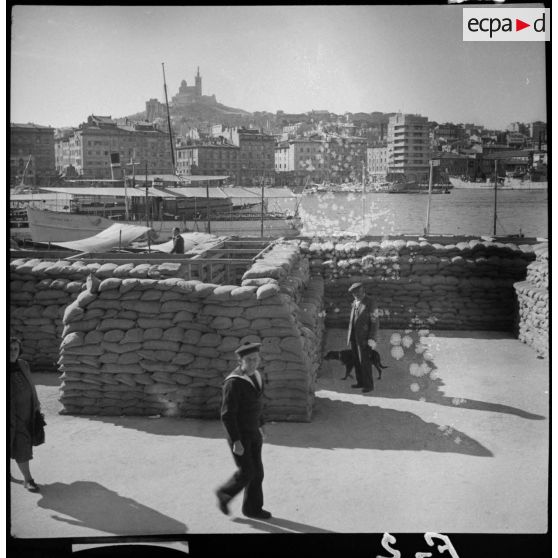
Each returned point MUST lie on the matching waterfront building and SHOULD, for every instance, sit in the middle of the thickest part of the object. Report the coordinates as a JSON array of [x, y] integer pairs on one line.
[[88, 149], [297, 160], [209, 159], [257, 156], [345, 158], [409, 146], [377, 163], [32, 157]]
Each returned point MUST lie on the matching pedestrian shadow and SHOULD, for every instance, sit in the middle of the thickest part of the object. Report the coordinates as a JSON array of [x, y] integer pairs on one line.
[[398, 383], [344, 424], [91, 505], [165, 426], [280, 525]]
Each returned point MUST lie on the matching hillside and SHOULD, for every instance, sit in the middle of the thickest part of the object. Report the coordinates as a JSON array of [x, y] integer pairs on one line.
[[200, 112]]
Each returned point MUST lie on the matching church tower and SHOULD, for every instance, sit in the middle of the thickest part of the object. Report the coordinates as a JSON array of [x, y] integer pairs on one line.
[[198, 84]]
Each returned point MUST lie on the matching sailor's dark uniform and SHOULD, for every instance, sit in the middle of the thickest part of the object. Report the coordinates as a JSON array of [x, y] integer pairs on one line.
[[241, 414]]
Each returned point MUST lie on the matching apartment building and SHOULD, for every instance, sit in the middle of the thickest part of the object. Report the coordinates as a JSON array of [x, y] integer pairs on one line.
[[88, 149], [209, 159], [300, 159], [32, 157], [377, 163], [409, 146], [257, 156]]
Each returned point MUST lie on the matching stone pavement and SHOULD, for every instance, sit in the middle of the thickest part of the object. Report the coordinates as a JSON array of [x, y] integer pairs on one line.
[[462, 449]]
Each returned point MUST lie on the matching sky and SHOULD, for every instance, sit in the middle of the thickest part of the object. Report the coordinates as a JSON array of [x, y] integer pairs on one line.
[[68, 62]]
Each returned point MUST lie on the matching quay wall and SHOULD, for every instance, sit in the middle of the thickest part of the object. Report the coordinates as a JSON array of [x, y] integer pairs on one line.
[[533, 298], [467, 285], [146, 339]]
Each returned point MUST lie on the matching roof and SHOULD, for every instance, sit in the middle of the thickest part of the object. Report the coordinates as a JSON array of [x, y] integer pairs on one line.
[[37, 196], [269, 193], [139, 192], [177, 179], [30, 126]]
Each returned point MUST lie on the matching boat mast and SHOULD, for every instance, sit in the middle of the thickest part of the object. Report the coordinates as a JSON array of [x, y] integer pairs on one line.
[[495, 193], [363, 201], [169, 121], [262, 212]]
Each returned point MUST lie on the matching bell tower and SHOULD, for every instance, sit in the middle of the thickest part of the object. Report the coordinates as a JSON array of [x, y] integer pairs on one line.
[[198, 84]]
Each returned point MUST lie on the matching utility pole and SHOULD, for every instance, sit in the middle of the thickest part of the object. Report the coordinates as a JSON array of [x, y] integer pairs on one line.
[[132, 164]]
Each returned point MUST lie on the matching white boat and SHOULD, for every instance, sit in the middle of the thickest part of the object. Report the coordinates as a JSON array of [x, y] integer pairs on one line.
[[58, 226], [91, 210], [506, 183]]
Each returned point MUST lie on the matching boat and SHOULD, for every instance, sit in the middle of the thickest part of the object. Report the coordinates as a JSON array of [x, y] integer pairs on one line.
[[504, 183], [207, 210], [416, 188]]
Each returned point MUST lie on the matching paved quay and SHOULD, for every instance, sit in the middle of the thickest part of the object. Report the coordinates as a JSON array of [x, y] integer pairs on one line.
[[463, 449]]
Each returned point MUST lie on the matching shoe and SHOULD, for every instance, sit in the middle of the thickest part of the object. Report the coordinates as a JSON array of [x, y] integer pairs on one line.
[[222, 504], [262, 514], [31, 486], [366, 390], [356, 386]]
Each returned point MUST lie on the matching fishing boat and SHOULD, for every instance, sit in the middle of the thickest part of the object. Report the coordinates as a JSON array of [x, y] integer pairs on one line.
[[416, 188]]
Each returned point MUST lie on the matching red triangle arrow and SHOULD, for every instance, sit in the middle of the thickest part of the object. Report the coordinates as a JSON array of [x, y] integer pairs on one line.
[[519, 25]]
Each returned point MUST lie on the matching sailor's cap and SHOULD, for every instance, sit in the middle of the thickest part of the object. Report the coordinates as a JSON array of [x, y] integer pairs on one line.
[[355, 286], [247, 349]]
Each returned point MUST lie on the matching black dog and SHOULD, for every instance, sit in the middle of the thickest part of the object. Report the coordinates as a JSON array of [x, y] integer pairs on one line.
[[347, 358]]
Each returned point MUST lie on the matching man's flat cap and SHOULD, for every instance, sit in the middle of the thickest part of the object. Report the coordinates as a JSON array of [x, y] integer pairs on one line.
[[355, 286], [248, 348]]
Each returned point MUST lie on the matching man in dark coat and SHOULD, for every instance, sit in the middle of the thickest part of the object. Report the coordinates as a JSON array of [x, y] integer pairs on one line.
[[241, 414], [177, 242], [363, 330]]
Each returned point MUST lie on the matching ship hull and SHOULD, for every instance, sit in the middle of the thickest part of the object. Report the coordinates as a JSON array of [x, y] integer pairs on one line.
[[507, 184], [55, 226]]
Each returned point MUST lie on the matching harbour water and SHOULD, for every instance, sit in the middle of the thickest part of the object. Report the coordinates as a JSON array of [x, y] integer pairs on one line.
[[462, 212]]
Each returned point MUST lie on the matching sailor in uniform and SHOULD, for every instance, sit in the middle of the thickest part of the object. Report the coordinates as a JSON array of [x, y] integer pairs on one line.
[[241, 414]]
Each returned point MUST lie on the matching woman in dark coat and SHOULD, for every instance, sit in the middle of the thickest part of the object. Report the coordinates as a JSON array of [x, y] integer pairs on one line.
[[23, 405]]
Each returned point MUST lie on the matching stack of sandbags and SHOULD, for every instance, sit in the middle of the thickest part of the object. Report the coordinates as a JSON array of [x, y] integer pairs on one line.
[[148, 346], [145, 346], [467, 285], [533, 299], [40, 290], [292, 343]]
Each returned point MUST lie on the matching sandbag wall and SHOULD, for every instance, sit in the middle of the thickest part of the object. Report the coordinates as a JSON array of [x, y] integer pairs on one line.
[[463, 286], [40, 290], [142, 346], [534, 311]]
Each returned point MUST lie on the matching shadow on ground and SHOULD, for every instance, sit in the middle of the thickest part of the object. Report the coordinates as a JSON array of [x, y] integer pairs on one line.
[[280, 525], [91, 505], [335, 424], [397, 382]]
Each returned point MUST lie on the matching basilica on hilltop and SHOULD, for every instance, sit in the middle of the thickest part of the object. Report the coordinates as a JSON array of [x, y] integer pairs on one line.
[[187, 95]]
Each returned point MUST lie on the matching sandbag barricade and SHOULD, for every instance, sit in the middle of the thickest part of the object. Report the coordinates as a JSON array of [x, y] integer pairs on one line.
[[533, 299], [462, 286], [40, 290], [140, 346]]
